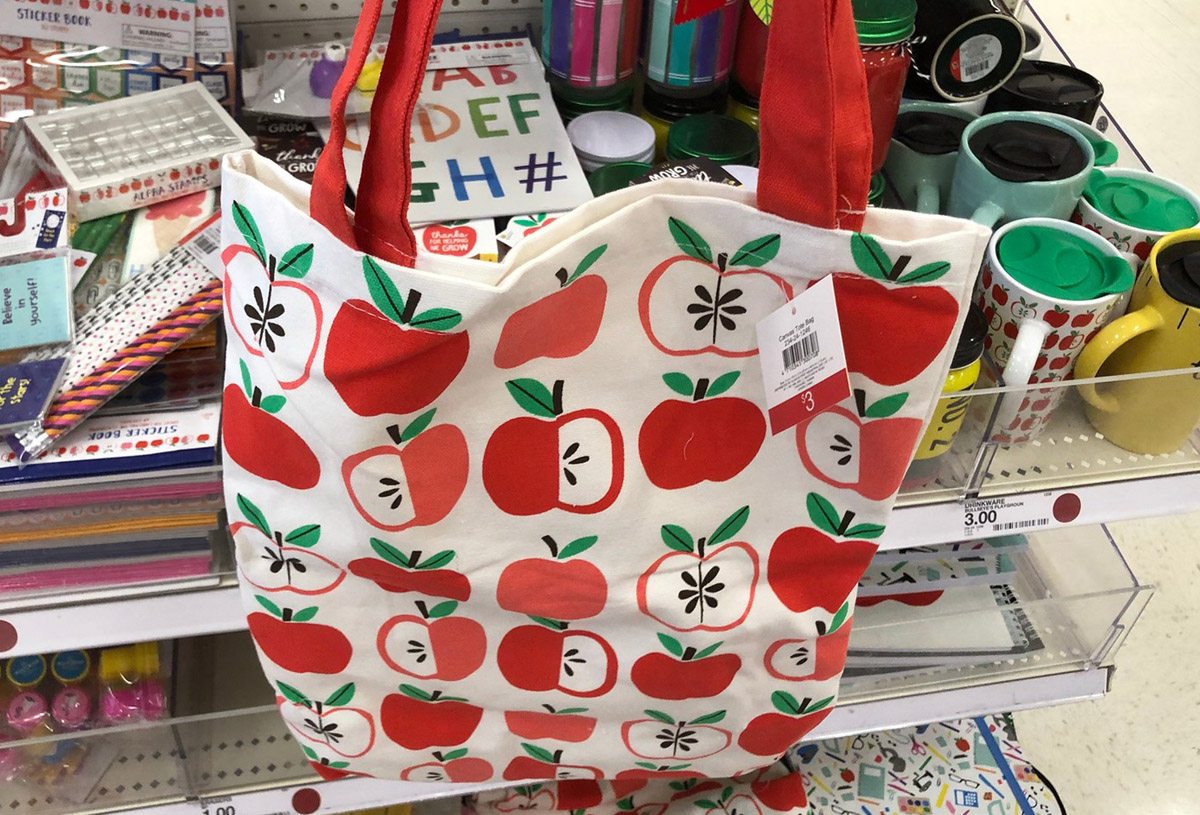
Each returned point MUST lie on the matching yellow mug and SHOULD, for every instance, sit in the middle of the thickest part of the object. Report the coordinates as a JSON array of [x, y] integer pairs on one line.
[[1149, 415]]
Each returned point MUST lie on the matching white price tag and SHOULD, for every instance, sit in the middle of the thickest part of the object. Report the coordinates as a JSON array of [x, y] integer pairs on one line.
[[1023, 513], [802, 358]]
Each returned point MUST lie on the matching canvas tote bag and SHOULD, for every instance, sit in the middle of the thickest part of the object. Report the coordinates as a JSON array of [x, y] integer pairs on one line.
[[498, 522]]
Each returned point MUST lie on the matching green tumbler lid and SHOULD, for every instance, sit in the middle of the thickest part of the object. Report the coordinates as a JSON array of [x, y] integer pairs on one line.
[[616, 176], [875, 193], [884, 22], [1056, 263], [722, 139], [570, 105], [1140, 203]]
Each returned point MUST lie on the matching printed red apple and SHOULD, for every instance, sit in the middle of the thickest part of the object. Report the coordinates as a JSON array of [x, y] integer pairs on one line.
[[270, 311], [1142, 250], [682, 443], [433, 645], [553, 460], [663, 737], [808, 569], [684, 673], [581, 793], [557, 589], [347, 731], [1056, 317], [550, 656], [389, 357], [329, 770], [417, 719], [526, 797], [869, 457], [1081, 320], [627, 806], [701, 585], [729, 804], [399, 573], [560, 325], [289, 640], [261, 444], [454, 766], [567, 724], [695, 303], [272, 561], [818, 659], [782, 794], [414, 481], [449, 238], [772, 734]]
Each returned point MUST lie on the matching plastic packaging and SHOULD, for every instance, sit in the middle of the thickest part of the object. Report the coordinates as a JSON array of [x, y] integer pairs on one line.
[[291, 81], [131, 684]]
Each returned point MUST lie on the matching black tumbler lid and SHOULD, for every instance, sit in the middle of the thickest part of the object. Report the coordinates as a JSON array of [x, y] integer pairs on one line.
[[970, 342]]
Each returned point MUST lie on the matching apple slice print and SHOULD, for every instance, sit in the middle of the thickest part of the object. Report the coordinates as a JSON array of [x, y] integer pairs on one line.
[[566, 724], [560, 325], [700, 438], [553, 459], [281, 318], [808, 569], [432, 644], [698, 303], [729, 804], [812, 659], [663, 737], [401, 572], [454, 766], [414, 481], [273, 562], [869, 457], [333, 724], [892, 338], [526, 797], [702, 584], [684, 672], [392, 356], [551, 656], [559, 588], [261, 444], [772, 734], [628, 806], [417, 719], [289, 639]]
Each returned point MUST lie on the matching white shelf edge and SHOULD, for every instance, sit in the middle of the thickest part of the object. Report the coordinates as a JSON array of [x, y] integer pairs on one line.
[[847, 720]]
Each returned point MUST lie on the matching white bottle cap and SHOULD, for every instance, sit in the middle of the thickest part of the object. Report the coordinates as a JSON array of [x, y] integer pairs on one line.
[[608, 136]]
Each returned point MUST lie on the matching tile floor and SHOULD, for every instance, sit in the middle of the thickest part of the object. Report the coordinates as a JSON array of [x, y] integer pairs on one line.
[[1136, 752]]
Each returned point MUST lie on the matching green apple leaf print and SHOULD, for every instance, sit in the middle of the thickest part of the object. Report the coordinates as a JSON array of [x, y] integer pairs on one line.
[[293, 695], [588, 261], [254, 515], [886, 406], [341, 697], [762, 9], [304, 536], [689, 241], [756, 253], [296, 261], [926, 273], [244, 221], [730, 526]]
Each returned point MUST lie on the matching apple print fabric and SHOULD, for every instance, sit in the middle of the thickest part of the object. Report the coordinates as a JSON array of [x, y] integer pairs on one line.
[[521, 523]]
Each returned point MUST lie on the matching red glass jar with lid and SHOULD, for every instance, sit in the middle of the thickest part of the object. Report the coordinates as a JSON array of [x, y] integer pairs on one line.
[[884, 30]]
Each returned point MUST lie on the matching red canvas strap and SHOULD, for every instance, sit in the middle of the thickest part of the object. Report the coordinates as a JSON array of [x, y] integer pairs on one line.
[[816, 130]]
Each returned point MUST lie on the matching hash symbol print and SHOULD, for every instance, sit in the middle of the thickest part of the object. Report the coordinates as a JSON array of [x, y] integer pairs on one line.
[[538, 172]]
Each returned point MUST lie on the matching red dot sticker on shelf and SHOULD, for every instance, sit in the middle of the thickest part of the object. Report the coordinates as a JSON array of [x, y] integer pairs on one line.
[[8, 636], [306, 801]]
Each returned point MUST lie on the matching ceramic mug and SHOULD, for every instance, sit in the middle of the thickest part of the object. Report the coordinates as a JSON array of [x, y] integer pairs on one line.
[[1107, 153], [1034, 337], [1161, 332], [1124, 236], [922, 180], [978, 194]]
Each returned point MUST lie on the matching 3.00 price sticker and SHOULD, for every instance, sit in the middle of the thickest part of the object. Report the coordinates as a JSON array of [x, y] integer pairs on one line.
[[997, 516]]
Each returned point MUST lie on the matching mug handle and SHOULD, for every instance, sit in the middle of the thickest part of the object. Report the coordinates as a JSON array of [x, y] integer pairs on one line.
[[987, 214], [929, 198], [1106, 153], [1031, 334], [1104, 345]]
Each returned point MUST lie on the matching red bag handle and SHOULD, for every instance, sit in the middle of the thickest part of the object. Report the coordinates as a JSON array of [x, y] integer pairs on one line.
[[815, 153]]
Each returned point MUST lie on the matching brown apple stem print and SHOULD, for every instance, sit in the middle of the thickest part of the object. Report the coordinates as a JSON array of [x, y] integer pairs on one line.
[[291, 565], [702, 437], [704, 584], [704, 302], [283, 317], [333, 724], [560, 325], [262, 444], [808, 568], [412, 355]]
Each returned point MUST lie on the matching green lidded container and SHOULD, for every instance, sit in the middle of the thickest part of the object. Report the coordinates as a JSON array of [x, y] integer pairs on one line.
[[884, 22], [1061, 265], [1140, 203], [616, 176], [572, 105], [722, 139]]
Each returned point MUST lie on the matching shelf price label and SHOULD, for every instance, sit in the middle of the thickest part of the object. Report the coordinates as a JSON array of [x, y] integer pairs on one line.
[[1020, 513]]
